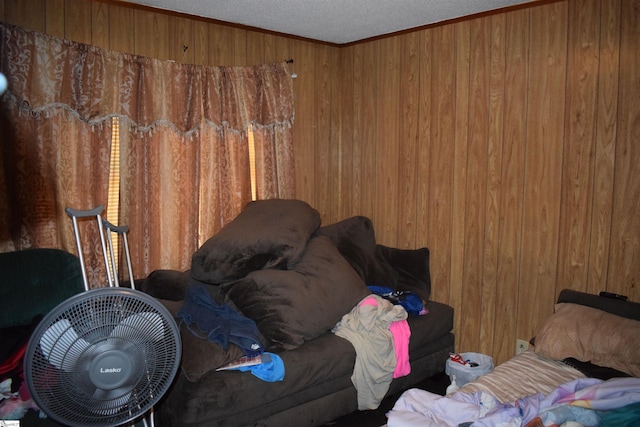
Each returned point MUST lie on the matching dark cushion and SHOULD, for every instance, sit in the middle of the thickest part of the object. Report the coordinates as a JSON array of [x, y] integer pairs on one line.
[[378, 265], [291, 306], [167, 284], [411, 267], [266, 234], [355, 239], [628, 309]]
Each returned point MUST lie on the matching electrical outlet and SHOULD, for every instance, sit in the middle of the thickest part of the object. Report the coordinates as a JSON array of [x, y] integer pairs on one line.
[[521, 346]]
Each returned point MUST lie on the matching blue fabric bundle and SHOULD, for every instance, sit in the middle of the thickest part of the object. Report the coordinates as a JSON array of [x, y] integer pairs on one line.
[[219, 323], [410, 301]]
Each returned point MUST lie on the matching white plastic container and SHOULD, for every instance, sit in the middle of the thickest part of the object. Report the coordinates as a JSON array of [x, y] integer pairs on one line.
[[461, 374]]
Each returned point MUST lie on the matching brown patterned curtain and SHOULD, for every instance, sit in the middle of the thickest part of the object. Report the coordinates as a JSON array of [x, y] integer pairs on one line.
[[184, 162]]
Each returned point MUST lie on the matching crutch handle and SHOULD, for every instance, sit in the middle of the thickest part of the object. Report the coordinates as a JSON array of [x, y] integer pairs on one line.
[[95, 212], [120, 230], [83, 214]]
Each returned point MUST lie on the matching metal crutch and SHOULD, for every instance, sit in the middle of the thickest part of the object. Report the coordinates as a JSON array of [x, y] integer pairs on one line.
[[110, 228], [75, 214], [122, 232]]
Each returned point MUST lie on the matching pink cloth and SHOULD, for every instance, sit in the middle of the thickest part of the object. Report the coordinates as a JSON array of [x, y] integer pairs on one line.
[[369, 301], [401, 334]]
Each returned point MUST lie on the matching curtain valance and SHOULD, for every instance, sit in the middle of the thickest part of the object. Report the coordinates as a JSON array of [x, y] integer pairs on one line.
[[47, 74]]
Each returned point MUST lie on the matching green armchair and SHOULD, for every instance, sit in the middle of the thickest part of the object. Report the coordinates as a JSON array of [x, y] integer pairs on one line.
[[33, 282]]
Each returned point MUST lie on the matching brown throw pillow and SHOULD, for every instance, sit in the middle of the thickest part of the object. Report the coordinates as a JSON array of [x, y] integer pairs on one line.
[[356, 240], [378, 265], [266, 234], [591, 335], [303, 302]]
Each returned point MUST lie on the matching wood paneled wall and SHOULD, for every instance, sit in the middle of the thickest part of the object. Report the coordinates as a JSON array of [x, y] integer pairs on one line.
[[509, 143]]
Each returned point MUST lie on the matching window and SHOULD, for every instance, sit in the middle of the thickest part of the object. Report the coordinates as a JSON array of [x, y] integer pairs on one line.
[[252, 161], [113, 196]]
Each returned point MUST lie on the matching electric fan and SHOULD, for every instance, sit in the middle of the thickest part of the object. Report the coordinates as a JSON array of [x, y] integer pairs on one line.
[[103, 357]]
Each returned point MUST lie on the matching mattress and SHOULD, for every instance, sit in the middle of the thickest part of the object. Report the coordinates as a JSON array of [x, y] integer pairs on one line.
[[523, 375]]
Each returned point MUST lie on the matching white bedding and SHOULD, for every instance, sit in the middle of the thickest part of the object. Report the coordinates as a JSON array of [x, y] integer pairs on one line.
[[522, 375], [588, 402]]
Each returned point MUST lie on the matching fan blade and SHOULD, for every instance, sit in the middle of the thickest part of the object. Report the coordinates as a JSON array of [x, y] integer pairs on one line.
[[109, 402], [61, 345], [148, 324]]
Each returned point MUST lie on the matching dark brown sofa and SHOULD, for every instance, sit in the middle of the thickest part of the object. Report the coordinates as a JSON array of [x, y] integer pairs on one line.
[[296, 280]]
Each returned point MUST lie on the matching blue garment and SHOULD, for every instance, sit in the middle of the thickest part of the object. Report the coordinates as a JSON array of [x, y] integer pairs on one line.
[[627, 416], [410, 301], [270, 371], [219, 323]]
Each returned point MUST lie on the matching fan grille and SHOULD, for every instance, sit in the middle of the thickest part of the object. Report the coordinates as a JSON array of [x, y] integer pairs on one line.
[[103, 357]]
